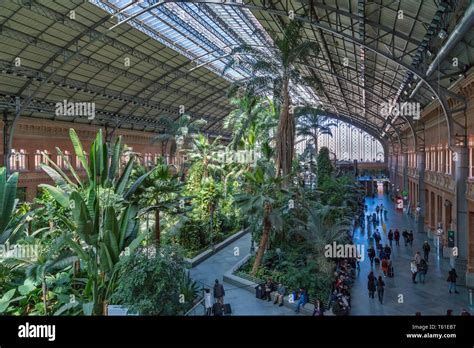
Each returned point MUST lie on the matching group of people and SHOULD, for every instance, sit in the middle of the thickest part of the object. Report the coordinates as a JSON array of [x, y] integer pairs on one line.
[[269, 287], [419, 266], [214, 306], [340, 300], [376, 284]]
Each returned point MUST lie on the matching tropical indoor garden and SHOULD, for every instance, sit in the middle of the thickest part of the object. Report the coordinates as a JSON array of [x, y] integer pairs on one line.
[[120, 231]]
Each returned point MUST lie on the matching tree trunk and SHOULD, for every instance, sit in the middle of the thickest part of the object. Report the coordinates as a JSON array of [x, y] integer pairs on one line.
[[262, 246], [45, 293], [205, 173], [316, 143], [157, 227], [286, 134]]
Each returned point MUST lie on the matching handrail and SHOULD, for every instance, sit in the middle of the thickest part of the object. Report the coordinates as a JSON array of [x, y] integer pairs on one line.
[[194, 307]]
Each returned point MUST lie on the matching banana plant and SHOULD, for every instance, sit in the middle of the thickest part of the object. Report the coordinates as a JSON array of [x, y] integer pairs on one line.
[[8, 203], [101, 222]]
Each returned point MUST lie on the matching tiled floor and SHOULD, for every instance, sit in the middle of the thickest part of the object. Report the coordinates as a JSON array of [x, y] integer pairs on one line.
[[431, 298]]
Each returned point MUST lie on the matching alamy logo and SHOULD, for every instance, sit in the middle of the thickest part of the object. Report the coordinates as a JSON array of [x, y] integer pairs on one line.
[[405, 109], [37, 331], [73, 109], [335, 250]]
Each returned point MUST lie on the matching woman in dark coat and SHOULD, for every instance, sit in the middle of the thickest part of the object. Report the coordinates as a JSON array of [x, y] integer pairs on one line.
[[380, 289], [371, 285]]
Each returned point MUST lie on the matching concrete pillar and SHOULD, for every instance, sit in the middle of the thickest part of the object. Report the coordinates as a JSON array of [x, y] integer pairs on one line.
[[461, 225], [405, 171], [420, 163], [395, 172]]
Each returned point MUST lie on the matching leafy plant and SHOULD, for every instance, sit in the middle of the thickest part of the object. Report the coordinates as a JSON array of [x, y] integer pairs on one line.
[[260, 199], [101, 224], [7, 203], [155, 282], [275, 70]]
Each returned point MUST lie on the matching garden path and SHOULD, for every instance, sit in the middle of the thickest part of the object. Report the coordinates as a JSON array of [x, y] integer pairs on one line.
[[243, 302]]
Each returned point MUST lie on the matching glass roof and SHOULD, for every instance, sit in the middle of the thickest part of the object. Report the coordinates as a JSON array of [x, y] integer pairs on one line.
[[204, 33]]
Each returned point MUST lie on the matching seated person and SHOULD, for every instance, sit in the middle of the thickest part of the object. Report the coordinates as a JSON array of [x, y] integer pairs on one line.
[[280, 294], [301, 300], [268, 289]]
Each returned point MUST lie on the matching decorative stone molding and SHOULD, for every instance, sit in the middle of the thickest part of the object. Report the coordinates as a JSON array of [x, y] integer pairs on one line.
[[413, 173], [470, 190], [443, 181]]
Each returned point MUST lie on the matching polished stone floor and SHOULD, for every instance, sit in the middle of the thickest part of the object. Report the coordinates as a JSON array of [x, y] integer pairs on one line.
[[431, 298]]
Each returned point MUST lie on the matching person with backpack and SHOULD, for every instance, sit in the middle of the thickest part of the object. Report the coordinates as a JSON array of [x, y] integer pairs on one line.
[[380, 289], [426, 250], [219, 292], [422, 270], [371, 285], [396, 236], [405, 236], [371, 255], [452, 276], [390, 237]]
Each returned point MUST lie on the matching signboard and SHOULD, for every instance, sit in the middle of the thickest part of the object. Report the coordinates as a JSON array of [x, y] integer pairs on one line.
[[450, 239]]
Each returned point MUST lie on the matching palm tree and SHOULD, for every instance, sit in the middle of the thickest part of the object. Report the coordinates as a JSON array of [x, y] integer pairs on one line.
[[252, 115], [180, 130], [319, 229], [312, 123], [159, 192], [206, 152], [275, 71], [260, 199]]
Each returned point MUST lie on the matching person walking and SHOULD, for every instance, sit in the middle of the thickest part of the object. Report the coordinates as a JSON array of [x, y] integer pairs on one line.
[[422, 270], [414, 271], [388, 251], [371, 285], [410, 238], [452, 276], [371, 255], [426, 250], [396, 236], [417, 258], [384, 266], [208, 302], [405, 236], [219, 292], [390, 237], [380, 289]]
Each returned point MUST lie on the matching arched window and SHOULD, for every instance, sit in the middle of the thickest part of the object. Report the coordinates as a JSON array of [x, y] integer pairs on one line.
[[347, 143], [18, 160]]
